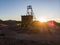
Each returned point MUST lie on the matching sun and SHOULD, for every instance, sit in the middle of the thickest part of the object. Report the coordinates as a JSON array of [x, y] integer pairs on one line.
[[42, 19]]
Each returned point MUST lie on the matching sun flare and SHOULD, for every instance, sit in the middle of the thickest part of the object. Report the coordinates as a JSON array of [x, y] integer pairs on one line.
[[42, 19]]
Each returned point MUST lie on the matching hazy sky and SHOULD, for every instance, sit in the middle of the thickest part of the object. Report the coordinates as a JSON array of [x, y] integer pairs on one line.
[[13, 9]]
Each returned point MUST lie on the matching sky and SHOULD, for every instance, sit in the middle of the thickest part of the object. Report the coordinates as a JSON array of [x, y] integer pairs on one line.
[[14, 9]]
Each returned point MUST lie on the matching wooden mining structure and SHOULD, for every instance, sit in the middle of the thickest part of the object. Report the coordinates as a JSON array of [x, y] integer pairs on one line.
[[28, 18]]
